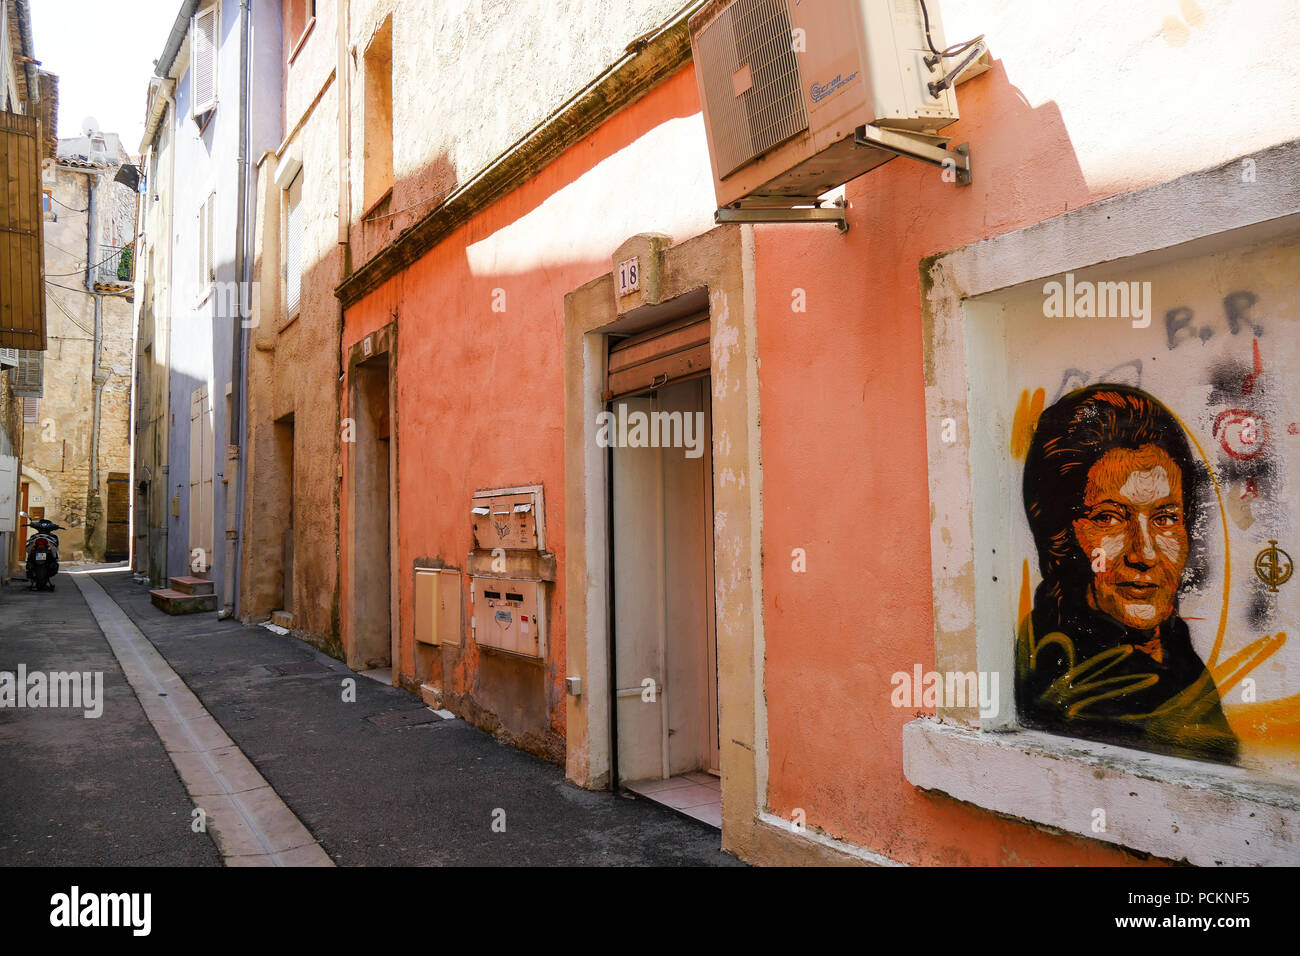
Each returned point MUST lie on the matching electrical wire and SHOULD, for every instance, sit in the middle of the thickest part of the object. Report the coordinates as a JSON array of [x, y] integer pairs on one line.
[[59, 306], [949, 51], [66, 206], [65, 275]]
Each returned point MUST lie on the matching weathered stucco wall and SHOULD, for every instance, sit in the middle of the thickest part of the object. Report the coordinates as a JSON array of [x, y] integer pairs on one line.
[[204, 321], [58, 445], [480, 390], [1053, 126], [469, 80], [294, 434], [153, 312], [845, 573]]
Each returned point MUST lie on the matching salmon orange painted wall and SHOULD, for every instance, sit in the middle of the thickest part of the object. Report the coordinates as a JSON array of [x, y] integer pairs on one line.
[[480, 393], [843, 408]]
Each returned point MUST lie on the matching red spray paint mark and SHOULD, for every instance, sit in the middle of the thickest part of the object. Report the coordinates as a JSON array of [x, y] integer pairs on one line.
[[1248, 383], [1242, 433]]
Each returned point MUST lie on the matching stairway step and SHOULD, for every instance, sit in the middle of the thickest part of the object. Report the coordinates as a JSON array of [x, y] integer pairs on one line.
[[178, 602], [282, 619], [192, 585]]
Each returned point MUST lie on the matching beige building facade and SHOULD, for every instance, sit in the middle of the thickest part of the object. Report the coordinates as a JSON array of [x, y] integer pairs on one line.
[[76, 461]]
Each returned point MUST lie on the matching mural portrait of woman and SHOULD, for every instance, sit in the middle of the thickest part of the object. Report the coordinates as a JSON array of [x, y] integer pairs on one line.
[[1112, 495]]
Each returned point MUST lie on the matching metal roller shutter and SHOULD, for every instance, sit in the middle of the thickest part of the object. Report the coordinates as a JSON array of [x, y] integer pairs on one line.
[[671, 353]]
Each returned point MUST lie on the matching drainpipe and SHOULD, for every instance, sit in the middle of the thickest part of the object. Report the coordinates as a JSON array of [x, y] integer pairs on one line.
[[93, 507], [165, 90], [234, 502], [343, 76], [133, 411]]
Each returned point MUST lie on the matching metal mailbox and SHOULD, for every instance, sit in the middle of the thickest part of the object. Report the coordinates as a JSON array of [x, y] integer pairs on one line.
[[508, 616], [505, 521], [437, 606]]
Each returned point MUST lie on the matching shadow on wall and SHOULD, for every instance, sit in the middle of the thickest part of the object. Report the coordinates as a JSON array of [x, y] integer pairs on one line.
[[477, 392], [858, 350]]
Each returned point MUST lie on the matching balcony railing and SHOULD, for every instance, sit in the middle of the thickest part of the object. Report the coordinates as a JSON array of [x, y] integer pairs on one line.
[[116, 265]]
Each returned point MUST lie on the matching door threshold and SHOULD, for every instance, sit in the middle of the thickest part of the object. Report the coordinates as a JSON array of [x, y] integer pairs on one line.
[[697, 795]]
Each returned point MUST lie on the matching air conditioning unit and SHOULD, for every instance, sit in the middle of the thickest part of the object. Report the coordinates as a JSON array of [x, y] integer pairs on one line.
[[800, 96]]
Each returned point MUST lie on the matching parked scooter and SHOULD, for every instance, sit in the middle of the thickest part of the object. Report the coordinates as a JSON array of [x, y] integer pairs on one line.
[[42, 553]]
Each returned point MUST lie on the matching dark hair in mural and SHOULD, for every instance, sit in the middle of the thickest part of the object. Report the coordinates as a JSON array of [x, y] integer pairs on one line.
[[1070, 438], [1112, 492]]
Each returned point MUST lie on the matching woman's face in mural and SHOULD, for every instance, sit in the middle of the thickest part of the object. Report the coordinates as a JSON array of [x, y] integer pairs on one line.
[[1133, 519]]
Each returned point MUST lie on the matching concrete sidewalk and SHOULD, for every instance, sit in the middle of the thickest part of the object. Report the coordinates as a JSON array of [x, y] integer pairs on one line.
[[382, 781], [82, 791]]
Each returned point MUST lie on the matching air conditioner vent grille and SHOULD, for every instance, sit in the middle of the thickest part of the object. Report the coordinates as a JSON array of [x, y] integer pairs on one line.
[[757, 34]]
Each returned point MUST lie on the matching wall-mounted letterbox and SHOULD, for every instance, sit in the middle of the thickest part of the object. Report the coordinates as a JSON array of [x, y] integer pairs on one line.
[[508, 615], [506, 520], [437, 606], [509, 569]]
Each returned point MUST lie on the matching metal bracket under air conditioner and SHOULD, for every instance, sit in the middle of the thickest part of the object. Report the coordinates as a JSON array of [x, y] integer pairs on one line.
[[835, 212], [918, 146]]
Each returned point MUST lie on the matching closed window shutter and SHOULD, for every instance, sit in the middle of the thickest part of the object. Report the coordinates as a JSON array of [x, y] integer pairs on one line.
[[22, 231], [28, 379], [208, 273], [8, 357], [203, 61], [293, 249], [31, 410], [203, 245]]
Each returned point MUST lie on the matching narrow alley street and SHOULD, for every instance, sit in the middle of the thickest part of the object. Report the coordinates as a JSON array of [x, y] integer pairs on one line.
[[378, 781]]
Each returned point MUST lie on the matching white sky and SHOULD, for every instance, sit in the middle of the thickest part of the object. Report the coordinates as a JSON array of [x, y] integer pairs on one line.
[[103, 53]]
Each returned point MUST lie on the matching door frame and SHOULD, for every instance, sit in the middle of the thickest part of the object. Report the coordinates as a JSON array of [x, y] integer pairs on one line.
[[382, 342], [715, 271]]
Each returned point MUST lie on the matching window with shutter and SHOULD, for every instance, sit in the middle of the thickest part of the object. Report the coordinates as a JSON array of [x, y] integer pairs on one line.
[[8, 357], [28, 378], [31, 410], [203, 61], [293, 242], [207, 213], [22, 230]]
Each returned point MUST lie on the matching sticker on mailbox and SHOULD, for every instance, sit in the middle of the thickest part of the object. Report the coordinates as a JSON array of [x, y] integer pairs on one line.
[[504, 618]]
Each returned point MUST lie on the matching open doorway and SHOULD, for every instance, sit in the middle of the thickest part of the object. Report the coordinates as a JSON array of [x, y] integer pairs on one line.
[[664, 628], [371, 557], [284, 481]]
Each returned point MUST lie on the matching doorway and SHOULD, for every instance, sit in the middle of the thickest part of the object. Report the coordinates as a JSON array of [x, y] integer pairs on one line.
[[665, 636], [372, 631], [201, 478], [284, 473], [118, 539]]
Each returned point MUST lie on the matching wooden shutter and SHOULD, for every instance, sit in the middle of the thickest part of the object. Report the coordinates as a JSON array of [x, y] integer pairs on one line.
[[671, 353], [22, 235], [8, 494], [28, 379], [207, 212], [203, 61], [293, 249], [31, 410]]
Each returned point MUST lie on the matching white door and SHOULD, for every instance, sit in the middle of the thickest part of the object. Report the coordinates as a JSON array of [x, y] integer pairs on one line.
[[8, 494], [665, 636], [201, 475]]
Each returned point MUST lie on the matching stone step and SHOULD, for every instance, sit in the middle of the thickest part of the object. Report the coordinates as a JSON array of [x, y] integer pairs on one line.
[[178, 602], [192, 585], [282, 619]]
